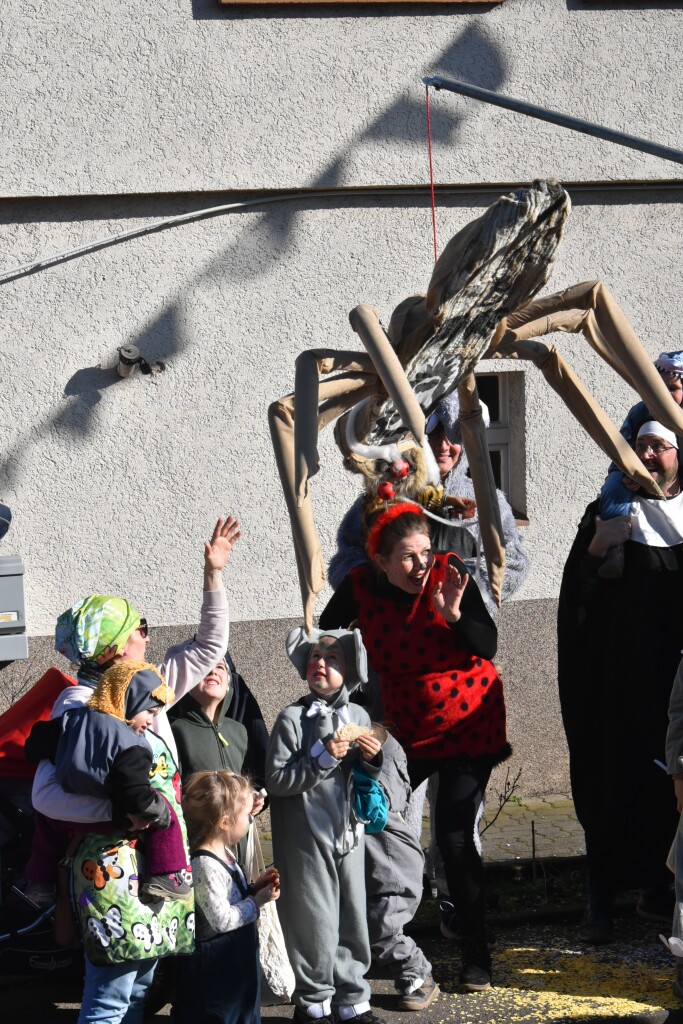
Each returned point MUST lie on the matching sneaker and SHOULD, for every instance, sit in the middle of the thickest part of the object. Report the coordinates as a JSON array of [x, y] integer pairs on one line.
[[366, 1018], [596, 927], [474, 979], [421, 998], [656, 905], [167, 887], [301, 1017], [449, 924]]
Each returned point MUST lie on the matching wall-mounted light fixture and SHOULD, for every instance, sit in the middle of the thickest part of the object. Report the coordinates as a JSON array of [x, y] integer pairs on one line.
[[129, 358]]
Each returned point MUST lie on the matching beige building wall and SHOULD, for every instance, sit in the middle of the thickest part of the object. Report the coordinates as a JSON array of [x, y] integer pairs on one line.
[[116, 117]]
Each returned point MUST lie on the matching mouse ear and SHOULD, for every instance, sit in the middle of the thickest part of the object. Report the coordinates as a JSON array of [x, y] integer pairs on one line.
[[298, 646]]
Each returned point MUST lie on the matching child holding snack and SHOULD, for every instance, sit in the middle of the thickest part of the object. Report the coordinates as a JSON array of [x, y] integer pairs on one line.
[[221, 982], [318, 841]]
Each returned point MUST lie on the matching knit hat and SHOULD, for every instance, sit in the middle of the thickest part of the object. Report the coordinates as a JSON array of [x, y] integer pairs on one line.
[[299, 645], [654, 429], [129, 687], [670, 362], [93, 625], [447, 413]]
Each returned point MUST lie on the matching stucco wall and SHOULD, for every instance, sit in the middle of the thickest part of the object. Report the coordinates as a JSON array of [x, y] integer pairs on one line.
[[187, 95], [115, 483]]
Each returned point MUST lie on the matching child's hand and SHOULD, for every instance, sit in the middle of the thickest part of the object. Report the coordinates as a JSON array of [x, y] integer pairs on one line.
[[267, 894], [137, 822], [338, 748], [370, 747], [631, 485], [271, 876], [257, 802]]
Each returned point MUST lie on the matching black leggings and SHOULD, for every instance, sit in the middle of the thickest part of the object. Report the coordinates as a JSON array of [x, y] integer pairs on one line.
[[458, 803]]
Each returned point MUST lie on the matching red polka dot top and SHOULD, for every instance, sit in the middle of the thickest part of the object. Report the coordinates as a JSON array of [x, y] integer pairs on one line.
[[439, 699]]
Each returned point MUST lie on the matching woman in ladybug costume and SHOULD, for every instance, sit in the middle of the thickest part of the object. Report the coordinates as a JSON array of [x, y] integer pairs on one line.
[[430, 638]]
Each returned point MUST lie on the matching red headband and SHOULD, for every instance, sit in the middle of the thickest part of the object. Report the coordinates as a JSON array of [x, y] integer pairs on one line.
[[382, 520]]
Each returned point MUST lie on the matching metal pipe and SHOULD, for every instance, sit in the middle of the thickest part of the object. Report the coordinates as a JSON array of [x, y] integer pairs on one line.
[[564, 120], [386, 191]]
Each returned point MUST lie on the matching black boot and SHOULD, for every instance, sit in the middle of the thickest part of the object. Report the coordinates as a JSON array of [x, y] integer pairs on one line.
[[475, 975], [597, 927], [657, 903]]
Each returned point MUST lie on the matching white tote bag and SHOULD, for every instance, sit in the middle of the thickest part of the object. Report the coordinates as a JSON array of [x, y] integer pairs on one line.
[[277, 974]]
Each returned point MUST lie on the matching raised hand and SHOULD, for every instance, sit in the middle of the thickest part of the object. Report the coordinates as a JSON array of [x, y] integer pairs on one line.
[[217, 551], [446, 596]]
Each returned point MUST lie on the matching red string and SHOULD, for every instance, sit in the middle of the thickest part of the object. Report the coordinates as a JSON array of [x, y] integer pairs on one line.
[[431, 169]]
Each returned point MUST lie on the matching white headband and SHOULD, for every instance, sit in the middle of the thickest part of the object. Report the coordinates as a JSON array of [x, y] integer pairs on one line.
[[654, 429]]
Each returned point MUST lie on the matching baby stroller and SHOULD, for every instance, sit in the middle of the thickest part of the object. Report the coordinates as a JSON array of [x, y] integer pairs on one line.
[[27, 942]]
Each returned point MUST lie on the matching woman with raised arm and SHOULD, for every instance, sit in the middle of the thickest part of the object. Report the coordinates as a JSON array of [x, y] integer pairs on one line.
[[124, 933]]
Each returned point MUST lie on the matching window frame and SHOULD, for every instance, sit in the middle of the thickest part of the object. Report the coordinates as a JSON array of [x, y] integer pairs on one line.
[[502, 437]]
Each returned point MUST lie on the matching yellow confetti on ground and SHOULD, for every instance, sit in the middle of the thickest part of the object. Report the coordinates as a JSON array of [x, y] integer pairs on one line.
[[534, 984], [583, 985]]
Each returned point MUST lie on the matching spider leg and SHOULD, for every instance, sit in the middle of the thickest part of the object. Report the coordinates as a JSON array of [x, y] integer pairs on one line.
[[589, 309], [308, 394], [365, 322], [336, 395], [473, 433]]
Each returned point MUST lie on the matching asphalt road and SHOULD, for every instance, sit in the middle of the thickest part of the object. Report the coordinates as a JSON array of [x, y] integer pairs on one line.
[[542, 973]]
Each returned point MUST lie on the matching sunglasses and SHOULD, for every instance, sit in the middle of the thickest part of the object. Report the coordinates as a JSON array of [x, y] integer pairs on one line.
[[143, 628], [656, 447]]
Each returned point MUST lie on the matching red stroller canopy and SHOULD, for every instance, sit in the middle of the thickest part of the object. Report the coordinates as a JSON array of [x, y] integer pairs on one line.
[[17, 722]]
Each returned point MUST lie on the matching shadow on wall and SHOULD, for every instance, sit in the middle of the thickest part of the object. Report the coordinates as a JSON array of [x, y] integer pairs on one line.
[[160, 340], [470, 55]]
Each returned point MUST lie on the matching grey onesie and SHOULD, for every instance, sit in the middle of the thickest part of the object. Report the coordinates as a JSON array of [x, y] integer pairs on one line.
[[318, 846], [394, 865]]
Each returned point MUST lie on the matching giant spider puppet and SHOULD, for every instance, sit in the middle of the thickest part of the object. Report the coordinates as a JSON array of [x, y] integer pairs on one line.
[[478, 305]]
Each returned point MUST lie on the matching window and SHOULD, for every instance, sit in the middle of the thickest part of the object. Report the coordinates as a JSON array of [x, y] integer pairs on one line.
[[503, 394]]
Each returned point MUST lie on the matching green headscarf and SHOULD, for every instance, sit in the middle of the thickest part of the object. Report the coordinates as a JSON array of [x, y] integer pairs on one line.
[[94, 624]]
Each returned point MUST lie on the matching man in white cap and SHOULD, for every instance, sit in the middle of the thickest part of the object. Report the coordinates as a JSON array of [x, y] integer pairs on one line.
[[619, 643]]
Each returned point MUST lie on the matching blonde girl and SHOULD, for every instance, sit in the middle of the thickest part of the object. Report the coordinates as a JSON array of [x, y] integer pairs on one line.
[[220, 983]]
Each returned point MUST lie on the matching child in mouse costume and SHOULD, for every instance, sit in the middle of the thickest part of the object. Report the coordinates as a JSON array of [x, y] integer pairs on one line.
[[318, 840]]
